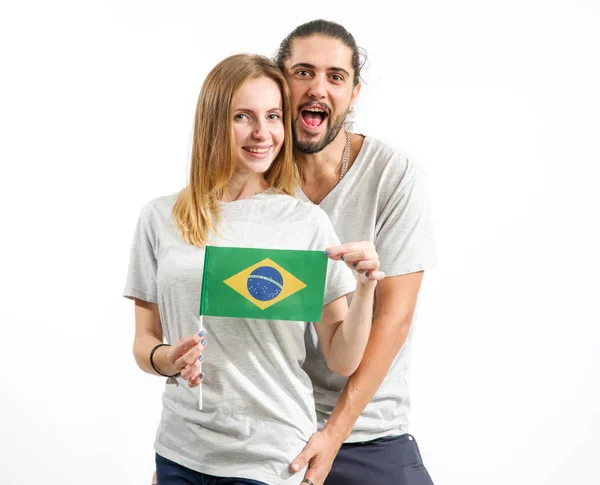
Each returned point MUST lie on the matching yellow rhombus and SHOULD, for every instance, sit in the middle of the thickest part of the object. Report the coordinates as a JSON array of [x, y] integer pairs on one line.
[[291, 284]]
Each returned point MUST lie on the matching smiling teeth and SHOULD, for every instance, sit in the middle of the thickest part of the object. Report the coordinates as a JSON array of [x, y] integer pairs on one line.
[[315, 110], [258, 150]]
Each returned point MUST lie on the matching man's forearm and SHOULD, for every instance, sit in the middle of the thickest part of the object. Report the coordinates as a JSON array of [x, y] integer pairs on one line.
[[386, 340], [395, 302]]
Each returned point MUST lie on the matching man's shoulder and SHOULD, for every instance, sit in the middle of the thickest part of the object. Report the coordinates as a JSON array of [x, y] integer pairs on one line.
[[382, 147], [388, 160]]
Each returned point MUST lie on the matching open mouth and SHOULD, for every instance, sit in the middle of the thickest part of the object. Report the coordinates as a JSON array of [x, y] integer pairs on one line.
[[313, 116]]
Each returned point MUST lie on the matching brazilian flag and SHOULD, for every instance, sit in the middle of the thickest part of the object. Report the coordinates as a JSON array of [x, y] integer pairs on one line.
[[271, 284]]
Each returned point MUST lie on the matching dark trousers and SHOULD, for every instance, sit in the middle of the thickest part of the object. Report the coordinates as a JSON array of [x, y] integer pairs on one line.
[[171, 473], [386, 461]]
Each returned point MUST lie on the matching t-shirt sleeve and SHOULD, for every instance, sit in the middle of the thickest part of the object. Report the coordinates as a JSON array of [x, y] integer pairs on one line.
[[340, 279], [141, 276], [403, 234]]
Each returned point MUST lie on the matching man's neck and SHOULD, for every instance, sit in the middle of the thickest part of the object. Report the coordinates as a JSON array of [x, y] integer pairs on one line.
[[326, 163], [321, 171]]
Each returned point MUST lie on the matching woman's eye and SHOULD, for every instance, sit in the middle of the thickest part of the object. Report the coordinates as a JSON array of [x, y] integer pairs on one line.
[[239, 116], [274, 116]]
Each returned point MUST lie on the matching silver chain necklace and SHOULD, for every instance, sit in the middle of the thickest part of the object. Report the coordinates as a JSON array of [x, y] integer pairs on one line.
[[345, 156]]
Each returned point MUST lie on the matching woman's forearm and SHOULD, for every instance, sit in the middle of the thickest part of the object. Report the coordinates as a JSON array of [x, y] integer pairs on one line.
[[350, 339]]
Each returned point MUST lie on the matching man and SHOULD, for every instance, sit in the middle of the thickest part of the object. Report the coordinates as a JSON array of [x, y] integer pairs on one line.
[[370, 192]]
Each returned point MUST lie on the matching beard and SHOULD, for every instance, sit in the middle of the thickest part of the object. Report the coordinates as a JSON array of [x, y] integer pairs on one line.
[[309, 147]]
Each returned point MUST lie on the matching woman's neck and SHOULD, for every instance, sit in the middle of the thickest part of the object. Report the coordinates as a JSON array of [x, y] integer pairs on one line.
[[242, 186]]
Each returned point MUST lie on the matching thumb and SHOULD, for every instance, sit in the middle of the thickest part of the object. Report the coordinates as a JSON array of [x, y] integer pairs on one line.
[[302, 459]]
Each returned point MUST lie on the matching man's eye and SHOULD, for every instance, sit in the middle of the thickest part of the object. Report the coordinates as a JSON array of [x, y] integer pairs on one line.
[[303, 73], [337, 77]]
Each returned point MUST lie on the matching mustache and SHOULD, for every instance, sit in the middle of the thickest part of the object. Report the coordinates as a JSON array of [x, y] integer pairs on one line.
[[323, 106]]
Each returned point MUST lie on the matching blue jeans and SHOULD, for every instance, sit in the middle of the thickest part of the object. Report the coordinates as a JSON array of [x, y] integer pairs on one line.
[[394, 460], [171, 473]]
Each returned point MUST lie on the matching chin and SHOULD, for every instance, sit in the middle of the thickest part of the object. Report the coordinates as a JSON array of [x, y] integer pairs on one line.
[[261, 167]]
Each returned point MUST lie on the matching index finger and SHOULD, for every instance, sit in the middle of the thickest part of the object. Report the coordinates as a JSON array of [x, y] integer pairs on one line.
[[185, 344], [336, 252]]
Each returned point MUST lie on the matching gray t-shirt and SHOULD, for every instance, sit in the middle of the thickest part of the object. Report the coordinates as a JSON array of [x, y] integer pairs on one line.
[[384, 199], [258, 402]]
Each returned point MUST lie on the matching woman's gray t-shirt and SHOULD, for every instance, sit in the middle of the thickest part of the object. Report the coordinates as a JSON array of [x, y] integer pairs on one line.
[[258, 407]]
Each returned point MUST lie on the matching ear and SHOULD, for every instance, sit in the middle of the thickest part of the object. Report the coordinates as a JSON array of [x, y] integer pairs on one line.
[[355, 92]]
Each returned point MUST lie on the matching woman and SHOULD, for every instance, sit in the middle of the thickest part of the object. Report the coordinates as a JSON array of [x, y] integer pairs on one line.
[[258, 409]]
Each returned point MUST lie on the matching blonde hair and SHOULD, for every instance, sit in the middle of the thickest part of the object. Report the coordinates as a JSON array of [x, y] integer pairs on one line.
[[213, 160]]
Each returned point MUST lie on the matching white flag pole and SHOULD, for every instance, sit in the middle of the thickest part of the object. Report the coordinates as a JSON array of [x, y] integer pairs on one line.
[[200, 386], [202, 290]]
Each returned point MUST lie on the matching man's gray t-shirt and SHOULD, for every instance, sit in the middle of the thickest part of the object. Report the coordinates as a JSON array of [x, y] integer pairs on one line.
[[258, 408], [384, 199]]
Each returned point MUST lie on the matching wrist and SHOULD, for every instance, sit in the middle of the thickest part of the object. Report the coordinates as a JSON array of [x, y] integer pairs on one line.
[[336, 431], [365, 288], [162, 364]]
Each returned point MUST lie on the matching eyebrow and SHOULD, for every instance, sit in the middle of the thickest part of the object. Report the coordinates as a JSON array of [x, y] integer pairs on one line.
[[248, 110], [312, 66]]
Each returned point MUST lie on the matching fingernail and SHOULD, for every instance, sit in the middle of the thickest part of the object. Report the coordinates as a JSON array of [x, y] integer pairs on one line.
[[201, 358], [203, 342], [295, 467], [201, 334], [327, 252], [367, 275], [201, 375]]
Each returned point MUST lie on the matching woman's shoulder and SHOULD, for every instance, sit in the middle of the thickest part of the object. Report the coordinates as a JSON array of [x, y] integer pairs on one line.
[[158, 208], [300, 207]]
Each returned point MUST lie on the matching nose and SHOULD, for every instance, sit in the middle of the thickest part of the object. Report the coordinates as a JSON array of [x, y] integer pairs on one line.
[[317, 89], [260, 131]]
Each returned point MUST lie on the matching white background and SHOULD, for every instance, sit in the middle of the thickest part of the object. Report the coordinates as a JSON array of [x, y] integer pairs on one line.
[[499, 100]]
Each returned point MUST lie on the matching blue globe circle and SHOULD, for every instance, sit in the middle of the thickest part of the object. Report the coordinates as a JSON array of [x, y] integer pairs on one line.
[[265, 283]]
